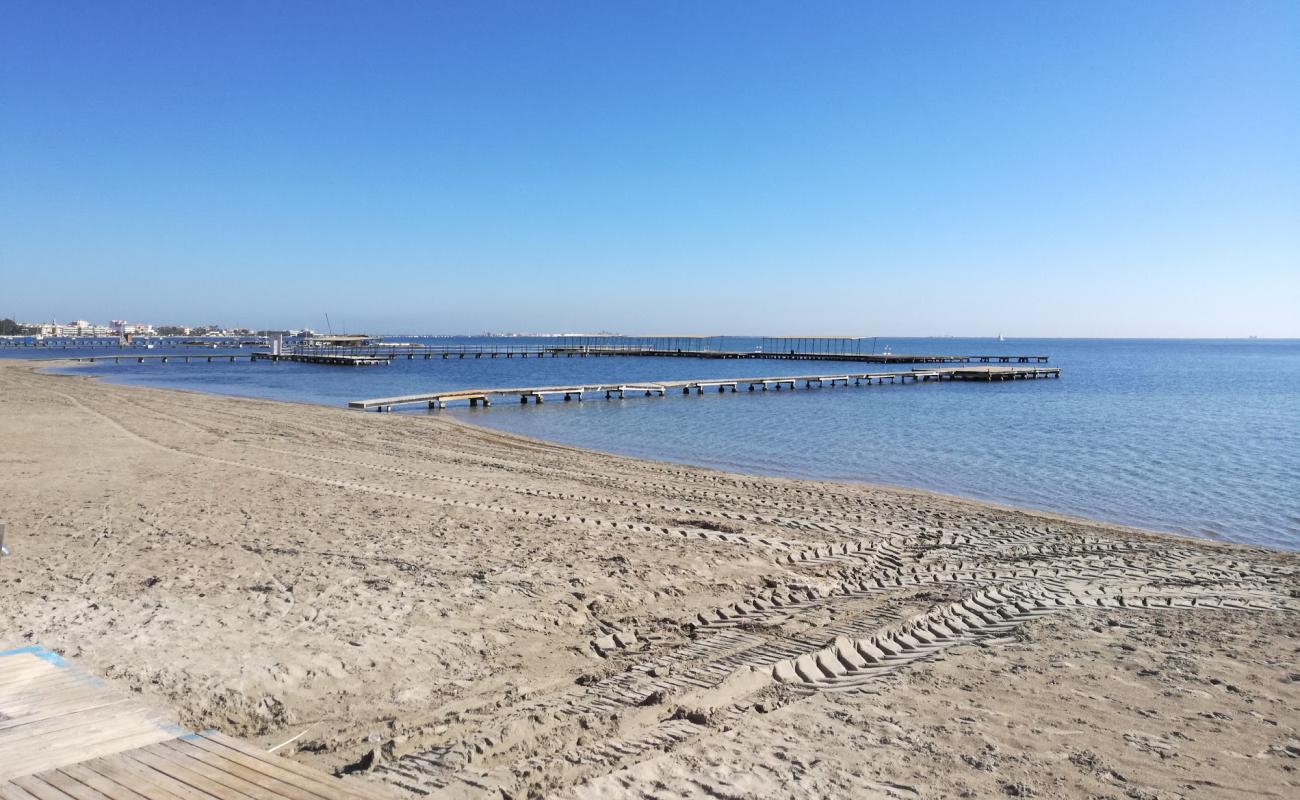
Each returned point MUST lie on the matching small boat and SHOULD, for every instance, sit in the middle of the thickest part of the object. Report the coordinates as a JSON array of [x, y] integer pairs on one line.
[[1001, 338]]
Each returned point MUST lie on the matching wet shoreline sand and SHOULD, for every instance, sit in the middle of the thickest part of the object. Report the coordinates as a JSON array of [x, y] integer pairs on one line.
[[472, 613]]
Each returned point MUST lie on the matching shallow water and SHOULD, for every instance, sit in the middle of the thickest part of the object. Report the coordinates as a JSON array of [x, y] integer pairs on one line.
[[1197, 437]]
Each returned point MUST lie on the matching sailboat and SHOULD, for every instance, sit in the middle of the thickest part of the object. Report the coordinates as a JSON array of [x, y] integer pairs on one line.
[[1001, 338]]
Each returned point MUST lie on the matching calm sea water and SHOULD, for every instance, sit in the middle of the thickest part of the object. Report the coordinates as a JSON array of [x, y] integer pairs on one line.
[[1194, 437]]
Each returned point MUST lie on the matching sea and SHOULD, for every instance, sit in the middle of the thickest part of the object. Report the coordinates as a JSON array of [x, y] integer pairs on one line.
[[1198, 437]]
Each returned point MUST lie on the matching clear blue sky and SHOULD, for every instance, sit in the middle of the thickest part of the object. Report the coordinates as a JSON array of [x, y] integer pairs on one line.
[[1040, 168]]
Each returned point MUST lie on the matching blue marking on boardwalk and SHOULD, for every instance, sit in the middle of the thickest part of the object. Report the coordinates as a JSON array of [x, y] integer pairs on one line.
[[38, 651]]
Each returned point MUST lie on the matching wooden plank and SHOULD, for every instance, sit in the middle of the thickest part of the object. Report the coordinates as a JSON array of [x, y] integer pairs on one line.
[[337, 789], [109, 788], [39, 682], [110, 720], [15, 667], [195, 773], [51, 687], [15, 670], [151, 783], [282, 768], [61, 692], [100, 743], [245, 768], [226, 773], [32, 726], [69, 786], [185, 776], [318, 784], [40, 789], [73, 699], [8, 791], [32, 717]]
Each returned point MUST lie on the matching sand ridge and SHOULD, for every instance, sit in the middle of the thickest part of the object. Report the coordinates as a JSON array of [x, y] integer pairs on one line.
[[458, 612]]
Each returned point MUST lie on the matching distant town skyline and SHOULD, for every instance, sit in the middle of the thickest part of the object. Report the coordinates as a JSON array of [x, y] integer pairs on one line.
[[1068, 169]]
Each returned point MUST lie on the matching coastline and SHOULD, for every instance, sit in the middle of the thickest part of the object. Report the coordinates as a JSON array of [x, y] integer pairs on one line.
[[1001, 504], [402, 583]]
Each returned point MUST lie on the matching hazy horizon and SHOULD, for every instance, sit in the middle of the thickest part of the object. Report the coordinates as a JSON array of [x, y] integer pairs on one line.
[[1041, 171]]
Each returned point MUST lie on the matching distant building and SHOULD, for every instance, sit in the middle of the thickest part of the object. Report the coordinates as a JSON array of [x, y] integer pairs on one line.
[[121, 327], [79, 328], [85, 328]]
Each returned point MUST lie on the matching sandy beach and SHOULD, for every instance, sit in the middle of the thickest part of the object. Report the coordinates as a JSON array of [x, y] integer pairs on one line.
[[448, 611]]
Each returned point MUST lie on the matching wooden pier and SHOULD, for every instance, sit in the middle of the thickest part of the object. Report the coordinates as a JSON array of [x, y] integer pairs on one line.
[[65, 735], [538, 394], [305, 358], [117, 359], [595, 351], [354, 357]]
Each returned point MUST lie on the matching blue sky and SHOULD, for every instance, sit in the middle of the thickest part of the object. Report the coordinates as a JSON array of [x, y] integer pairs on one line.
[[1039, 169]]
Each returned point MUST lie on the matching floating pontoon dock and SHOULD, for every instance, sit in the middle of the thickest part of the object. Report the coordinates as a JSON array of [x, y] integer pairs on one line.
[[538, 394]]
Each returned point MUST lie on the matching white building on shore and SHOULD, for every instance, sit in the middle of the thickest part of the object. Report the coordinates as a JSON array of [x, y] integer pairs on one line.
[[81, 327], [121, 327]]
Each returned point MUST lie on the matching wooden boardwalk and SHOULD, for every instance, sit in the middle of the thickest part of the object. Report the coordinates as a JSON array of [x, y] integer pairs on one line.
[[562, 351], [334, 359], [185, 357], [538, 394], [64, 735], [374, 355]]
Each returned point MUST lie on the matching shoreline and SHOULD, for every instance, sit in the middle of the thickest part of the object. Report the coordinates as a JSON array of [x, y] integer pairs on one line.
[[920, 493], [1002, 505], [456, 610]]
